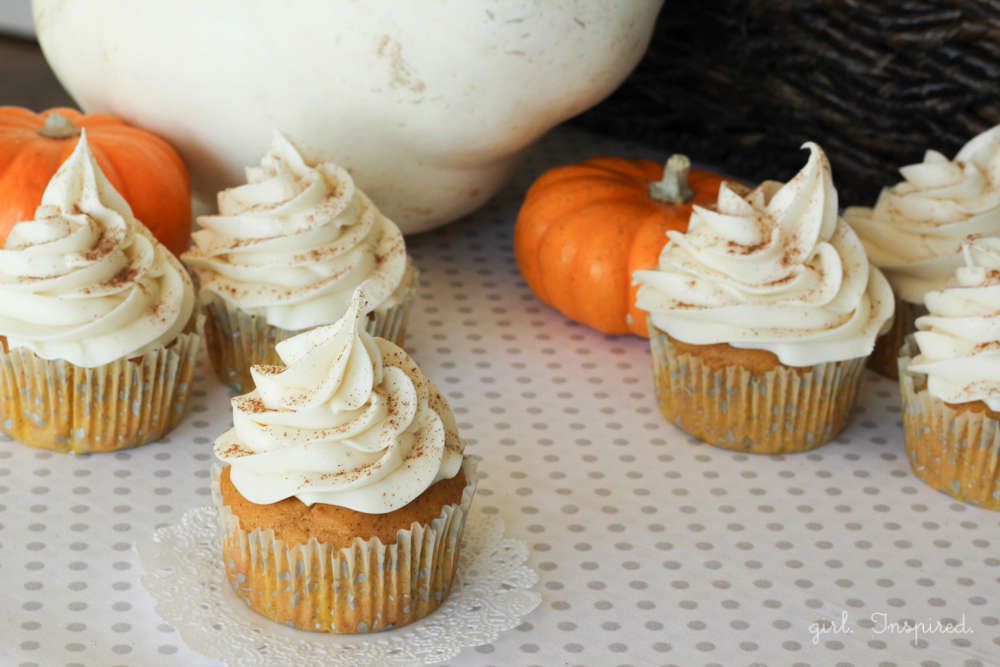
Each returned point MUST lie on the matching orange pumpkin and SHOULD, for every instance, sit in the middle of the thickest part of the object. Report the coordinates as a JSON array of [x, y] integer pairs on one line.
[[585, 228], [143, 168]]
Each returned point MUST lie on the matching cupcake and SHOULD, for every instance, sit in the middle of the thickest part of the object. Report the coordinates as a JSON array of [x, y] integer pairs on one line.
[[98, 326], [343, 491], [914, 234], [949, 373], [761, 316], [284, 256]]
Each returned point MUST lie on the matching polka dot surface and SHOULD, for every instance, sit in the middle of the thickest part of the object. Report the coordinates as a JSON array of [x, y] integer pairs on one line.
[[653, 548]]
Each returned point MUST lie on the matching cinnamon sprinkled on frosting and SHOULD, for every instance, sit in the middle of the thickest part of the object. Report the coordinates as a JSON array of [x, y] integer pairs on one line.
[[85, 281], [915, 231], [773, 269], [294, 243], [351, 421], [959, 340]]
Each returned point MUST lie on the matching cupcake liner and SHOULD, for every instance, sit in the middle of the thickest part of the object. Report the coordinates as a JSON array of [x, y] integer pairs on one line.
[[53, 404], [956, 451], [780, 411], [884, 359], [367, 587], [238, 340]]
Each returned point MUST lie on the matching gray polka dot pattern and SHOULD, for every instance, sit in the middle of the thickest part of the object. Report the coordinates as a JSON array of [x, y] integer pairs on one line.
[[653, 549]]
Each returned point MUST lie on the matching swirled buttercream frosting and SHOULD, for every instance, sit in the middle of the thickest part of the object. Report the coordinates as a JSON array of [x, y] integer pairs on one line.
[[295, 241], [85, 281], [959, 340], [774, 269], [915, 231], [349, 421]]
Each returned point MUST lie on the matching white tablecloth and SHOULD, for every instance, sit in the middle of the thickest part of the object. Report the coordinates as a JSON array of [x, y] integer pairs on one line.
[[653, 549]]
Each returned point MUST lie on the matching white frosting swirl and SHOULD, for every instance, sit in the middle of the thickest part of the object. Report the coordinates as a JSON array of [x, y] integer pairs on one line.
[[773, 270], [915, 232], [959, 340], [85, 281], [294, 243], [351, 422]]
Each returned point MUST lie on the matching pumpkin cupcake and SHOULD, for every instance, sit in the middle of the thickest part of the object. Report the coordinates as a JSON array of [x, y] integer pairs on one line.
[[915, 231], [98, 326], [761, 316], [949, 373], [343, 494], [284, 256]]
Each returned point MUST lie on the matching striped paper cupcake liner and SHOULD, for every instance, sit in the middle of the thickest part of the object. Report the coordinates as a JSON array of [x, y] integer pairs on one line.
[[951, 448], [53, 404], [367, 587], [780, 411]]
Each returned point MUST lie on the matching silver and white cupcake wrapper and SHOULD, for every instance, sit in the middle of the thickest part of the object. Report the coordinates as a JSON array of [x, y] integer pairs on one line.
[[56, 405], [954, 451], [366, 587], [781, 411]]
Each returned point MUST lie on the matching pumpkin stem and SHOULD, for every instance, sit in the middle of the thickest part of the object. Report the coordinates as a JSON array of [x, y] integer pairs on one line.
[[58, 126], [673, 187]]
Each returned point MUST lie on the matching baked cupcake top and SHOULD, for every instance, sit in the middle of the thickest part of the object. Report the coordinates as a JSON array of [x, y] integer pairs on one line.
[[85, 281], [959, 340], [295, 241], [349, 421], [915, 232], [772, 269]]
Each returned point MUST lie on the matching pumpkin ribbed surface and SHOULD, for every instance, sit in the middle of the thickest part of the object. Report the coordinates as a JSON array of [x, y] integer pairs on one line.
[[143, 168], [585, 228]]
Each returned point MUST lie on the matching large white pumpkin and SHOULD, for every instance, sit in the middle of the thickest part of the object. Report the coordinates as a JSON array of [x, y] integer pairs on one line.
[[429, 103]]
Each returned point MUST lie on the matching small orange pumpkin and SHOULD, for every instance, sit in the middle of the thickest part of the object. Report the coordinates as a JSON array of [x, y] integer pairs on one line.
[[585, 228], [143, 168]]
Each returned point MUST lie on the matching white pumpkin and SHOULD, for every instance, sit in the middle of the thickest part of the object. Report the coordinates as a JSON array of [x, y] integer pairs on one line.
[[430, 104]]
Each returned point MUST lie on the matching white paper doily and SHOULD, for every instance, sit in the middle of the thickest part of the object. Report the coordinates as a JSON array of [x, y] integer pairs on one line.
[[184, 573]]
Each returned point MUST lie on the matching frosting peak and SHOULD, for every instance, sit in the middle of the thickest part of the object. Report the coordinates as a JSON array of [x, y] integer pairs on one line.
[[295, 241], [85, 281], [349, 421], [338, 368], [775, 269], [959, 340], [915, 231], [982, 262]]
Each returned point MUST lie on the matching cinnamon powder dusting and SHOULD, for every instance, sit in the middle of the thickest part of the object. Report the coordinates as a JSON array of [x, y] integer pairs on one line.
[[123, 277], [108, 241], [250, 404], [235, 450]]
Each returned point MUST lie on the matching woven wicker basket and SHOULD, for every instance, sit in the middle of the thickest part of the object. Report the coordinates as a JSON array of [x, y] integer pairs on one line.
[[743, 83]]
